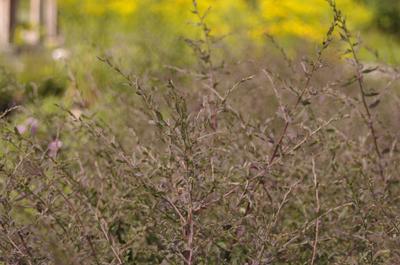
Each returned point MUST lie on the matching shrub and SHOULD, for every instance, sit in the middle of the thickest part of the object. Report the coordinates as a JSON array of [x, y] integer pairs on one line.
[[287, 161]]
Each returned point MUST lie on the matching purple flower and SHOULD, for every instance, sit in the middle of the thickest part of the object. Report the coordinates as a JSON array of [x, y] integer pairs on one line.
[[33, 124], [30, 123], [21, 128], [54, 147]]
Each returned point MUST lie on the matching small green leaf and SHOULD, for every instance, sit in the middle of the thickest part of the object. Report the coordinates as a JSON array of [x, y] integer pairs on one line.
[[350, 81], [375, 103], [371, 94], [370, 70]]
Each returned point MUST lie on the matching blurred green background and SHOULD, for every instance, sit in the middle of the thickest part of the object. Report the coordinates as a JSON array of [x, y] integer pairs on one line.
[[146, 35]]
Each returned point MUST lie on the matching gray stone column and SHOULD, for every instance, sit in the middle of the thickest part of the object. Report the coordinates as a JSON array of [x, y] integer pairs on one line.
[[50, 19], [35, 15]]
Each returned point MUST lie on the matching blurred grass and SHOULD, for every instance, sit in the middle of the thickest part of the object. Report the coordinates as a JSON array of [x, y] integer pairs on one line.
[[146, 35]]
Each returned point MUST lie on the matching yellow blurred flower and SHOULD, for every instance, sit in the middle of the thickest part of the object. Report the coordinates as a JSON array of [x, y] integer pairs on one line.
[[123, 7], [307, 18], [302, 18]]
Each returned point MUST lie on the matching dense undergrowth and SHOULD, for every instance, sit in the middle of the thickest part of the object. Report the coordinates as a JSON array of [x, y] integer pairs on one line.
[[278, 160]]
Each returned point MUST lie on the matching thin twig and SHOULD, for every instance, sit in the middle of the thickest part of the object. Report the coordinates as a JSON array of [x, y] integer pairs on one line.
[[317, 210]]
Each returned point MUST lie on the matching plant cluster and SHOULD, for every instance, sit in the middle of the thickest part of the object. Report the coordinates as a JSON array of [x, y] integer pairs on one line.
[[273, 161]]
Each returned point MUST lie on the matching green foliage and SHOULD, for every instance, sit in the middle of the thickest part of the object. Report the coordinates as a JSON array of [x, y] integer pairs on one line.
[[11, 92], [387, 15], [51, 87]]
